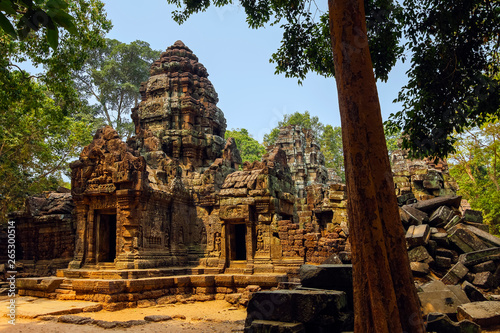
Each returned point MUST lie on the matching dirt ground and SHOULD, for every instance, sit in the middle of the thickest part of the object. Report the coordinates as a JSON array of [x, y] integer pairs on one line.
[[211, 316]]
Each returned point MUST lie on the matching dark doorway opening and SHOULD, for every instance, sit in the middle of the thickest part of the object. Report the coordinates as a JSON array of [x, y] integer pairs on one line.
[[240, 250], [106, 238]]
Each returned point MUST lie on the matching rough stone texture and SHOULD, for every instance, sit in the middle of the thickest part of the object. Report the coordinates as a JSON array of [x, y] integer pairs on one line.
[[268, 326], [424, 178], [438, 297], [418, 235], [45, 238], [485, 280], [318, 311], [472, 292], [157, 318], [455, 274], [485, 314], [441, 323]]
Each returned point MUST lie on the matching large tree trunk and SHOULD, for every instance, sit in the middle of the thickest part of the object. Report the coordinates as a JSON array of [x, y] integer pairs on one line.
[[385, 299]]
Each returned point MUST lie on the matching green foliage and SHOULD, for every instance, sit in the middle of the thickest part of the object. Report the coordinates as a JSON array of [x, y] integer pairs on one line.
[[27, 16], [250, 149], [305, 45], [113, 75], [453, 80], [36, 141], [453, 47], [43, 122], [392, 135], [329, 138], [476, 168]]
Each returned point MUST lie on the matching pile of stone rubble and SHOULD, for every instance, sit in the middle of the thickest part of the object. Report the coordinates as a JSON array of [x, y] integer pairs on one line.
[[455, 261]]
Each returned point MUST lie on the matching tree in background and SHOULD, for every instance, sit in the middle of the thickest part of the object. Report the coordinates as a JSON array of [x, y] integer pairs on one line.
[[329, 138], [112, 76], [43, 123], [250, 149], [476, 168]]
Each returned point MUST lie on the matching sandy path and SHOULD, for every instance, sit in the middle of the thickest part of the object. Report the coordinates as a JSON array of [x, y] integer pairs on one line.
[[212, 316]]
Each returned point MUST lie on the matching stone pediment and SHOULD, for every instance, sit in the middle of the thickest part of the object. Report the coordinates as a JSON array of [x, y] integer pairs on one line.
[[107, 164]]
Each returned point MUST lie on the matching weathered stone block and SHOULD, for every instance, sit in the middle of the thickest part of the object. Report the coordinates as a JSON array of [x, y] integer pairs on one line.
[[484, 235], [411, 215], [419, 254], [437, 297], [477, 257], [440, 216], [442, 262], [268, 326], [418, 235], [485, 314], [466, 240], [472, 292], [485, 280], [474, 216], [431, 205], [453, 222], [441, 323], [455, 274], [487, 266], [419, 268], [316, 310]]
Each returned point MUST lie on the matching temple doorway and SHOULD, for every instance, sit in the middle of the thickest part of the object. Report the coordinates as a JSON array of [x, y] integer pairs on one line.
[[106, 237], [237, 242]]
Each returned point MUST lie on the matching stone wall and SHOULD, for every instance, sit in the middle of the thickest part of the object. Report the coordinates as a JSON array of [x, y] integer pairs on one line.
[[45, 234]]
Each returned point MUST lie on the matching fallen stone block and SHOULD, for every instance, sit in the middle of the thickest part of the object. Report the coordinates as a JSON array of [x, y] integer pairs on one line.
[[70, 319], [441, 216], [474, 216], [406, 198], [466, 240], [484, 236], [442, 262], [441, 238], [484, 280], [477, 257], [267, 326], [487, 266], [455, 274], [485, 314], [428, 206], [419, 254], [419, 268], [157, 318], [474, 294], [418, 235], [413, 216], [446, 253], [317, 310], [438, 297], [483, 227], [453, 222], [441, 323]]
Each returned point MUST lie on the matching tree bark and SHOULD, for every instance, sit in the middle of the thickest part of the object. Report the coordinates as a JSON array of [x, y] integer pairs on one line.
[[385, 298]]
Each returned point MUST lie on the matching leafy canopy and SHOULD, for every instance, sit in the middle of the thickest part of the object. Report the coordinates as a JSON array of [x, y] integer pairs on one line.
[[476, 168], [112, 76], [250, 149], [453, 47], [43, 122]]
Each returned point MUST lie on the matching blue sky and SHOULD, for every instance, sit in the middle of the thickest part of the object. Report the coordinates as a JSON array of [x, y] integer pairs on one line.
[[237, 60]]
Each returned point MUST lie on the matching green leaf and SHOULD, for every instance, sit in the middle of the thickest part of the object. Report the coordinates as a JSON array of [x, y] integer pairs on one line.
[[7, 26], [63, 19], [53, 37], [7, 7], [57, 4]]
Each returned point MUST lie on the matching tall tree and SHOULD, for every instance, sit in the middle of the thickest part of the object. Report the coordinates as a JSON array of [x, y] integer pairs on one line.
[[112, 76], [476, 168], [43, 122], [250, 149], [385, 299]]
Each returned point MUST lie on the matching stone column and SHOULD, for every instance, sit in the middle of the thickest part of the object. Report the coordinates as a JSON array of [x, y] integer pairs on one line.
[[81, 241]]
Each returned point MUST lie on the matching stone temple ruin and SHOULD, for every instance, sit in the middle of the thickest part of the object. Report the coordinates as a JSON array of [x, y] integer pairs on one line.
[[175, 211]]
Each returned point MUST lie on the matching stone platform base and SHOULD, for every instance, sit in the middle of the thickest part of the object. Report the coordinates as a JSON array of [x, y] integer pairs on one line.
[[132, 288]]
